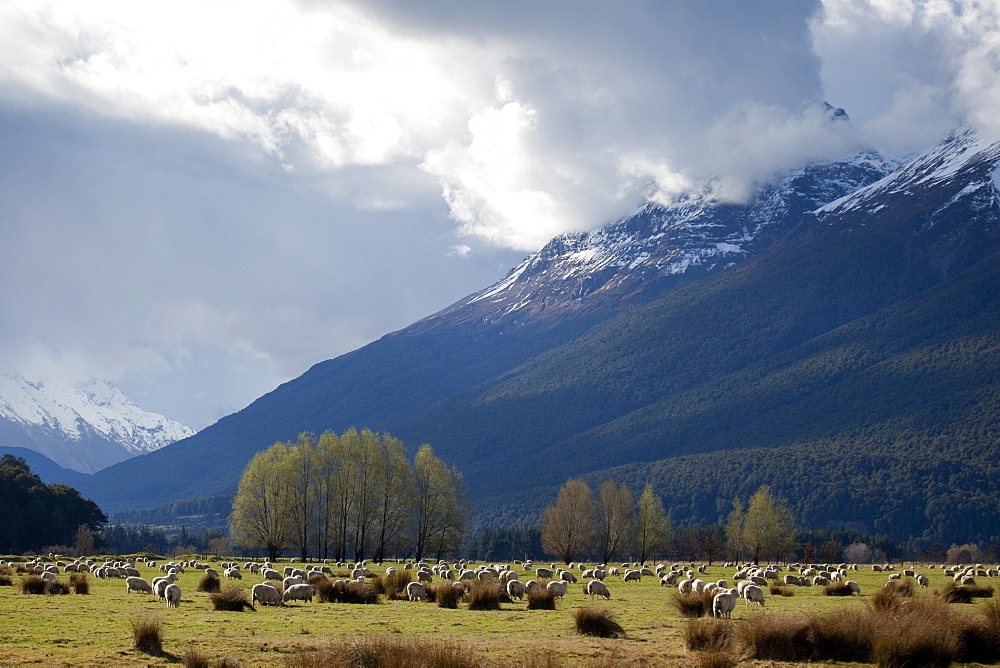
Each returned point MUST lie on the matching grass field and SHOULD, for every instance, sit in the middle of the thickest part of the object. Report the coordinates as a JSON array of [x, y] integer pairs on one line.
[[95, 629]]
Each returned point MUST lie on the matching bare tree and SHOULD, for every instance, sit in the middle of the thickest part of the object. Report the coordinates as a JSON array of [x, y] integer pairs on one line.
[[568, 526], [615, 519]]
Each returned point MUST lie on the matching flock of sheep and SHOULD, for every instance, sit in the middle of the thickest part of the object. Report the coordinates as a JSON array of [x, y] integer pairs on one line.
[[295, 582]]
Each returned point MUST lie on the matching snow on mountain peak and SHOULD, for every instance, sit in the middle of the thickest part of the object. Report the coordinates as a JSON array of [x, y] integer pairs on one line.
[[41, 415]]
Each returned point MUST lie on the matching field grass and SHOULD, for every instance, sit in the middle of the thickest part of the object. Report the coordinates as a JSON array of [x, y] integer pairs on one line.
[[96, 629]]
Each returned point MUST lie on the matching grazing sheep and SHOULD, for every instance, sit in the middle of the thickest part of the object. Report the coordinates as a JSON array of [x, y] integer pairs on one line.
[[425, 576], [685, 586], [515, 589], [723, 603], [567, 576], [922, 580], [545, 573], [271, 574], [854, 587], [597, 588], [416, 592], [530, 586], [172, 594], [820, 581], [557, 587], [632, 575], [265, 594], [233, 573], [299, 592], [290, 581], [137, 584], [753, 595]]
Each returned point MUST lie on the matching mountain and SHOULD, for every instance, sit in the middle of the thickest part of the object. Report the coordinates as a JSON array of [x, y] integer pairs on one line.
[[85, 428], [818, 319]]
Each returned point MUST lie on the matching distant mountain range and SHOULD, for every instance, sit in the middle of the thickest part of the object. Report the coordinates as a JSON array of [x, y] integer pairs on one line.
[[836, 337], [84, 428]]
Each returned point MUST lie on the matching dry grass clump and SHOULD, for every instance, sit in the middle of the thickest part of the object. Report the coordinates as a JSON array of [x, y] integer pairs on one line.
[[597, 622], [781, 590], [837, 589], [79, 583], [56, 587], [5, 581], [233, 598], [965, 593], [541, 599], [351, 591], [209, 583], [32, 584], [447, 596], [147, 634], [394, 585], [717, 660], [692, 605], [194, 659], [709, 635], [5, 570], [900, 587], [484, 595], [777, 638], [389, 652]]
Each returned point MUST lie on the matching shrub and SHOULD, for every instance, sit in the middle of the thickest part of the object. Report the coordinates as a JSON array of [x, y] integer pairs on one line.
[[79, 583], [781, 590], [484, 595], [708, 635], [844, 635], [147, 634], [5, 570], [32, 584], [887, 599], [324, 590], [209, 583], [770, 637], [597, 622], [447, 596], [692, 605], [389, 652], [352, 591], [900, 587], [5, 581], [56, 587], [394, 586], [541, 599], [837, 589], [233, 598]]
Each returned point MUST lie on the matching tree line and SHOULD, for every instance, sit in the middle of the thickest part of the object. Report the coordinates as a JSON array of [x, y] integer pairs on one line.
[[350, 496], [40, 515], [611, 525]]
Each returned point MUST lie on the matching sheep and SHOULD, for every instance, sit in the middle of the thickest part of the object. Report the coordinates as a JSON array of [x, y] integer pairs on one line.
[[290, 581], [424, 576], [557, 587], [233, 573], [137, 584], [753, 595], [531, 586], [922, 580], [390, 571], [271, 574], [597, 588], [791, 580], [820, 581], [515, 589], [416, 592], [299, 592], [543, 573], [685, 586], [265, 594], [723, 603], [854, 587], [632, 575], [172, 595]]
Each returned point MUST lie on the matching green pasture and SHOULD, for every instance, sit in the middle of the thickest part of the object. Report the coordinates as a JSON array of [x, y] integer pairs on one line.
[[95, 629]]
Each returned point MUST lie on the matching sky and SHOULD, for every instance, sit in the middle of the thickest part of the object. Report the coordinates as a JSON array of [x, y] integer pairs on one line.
[[199, 200]]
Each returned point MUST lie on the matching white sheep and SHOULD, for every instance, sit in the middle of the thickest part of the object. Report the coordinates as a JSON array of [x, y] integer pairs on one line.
[[271, 574], [557, 587], [632, 575], [299, 592], [137, 584], [415, 591], [545, 573], [515, 589], [172, 594], [597, 588], [265, 594], [724, 602], [290, 581], [753, 595]]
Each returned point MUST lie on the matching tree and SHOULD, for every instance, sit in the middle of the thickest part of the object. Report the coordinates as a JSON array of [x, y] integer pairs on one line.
[[735, 543], [84, 541], [615, 519], [298, 475], [768, 529], [440, 502], [829, 552], [568, 526], [260, 517], [653, 530], [712, 539], [395, 495]]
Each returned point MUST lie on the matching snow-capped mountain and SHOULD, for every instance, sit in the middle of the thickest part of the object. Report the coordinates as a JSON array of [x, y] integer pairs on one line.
[[658, 247], [84, 428]]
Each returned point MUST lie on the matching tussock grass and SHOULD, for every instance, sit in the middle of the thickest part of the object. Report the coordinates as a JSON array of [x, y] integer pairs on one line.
[[483, 595], [541, 599], [57, 587], [32, 584], [233, 598], [597, 622], [777, 638], [147, 634], [954, 593], [717, 660], [781, 590], [447, 596], [352, 591], [5, 581], [209, 583], [5, 570], [389, 652], [394, 586], [692, 605], [79, 583], [709, 635], [837, 589], [195, 659]]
